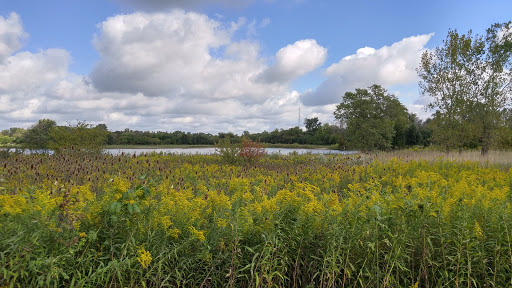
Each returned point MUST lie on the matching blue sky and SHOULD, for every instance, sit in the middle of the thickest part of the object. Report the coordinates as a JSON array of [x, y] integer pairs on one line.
[[219, 65]]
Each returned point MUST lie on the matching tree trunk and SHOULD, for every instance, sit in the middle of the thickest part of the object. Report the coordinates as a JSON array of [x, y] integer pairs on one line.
[[486, 140]]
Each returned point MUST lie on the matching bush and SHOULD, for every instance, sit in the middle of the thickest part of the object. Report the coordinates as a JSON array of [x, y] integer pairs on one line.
[[228, 151], [251, 151]]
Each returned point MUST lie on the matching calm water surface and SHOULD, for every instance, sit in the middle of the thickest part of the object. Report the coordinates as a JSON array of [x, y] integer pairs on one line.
[[209, 151], [203, 151]]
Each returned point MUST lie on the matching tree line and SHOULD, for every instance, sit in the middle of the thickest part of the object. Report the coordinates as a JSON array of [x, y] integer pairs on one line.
[[468, 80], [47, 135]]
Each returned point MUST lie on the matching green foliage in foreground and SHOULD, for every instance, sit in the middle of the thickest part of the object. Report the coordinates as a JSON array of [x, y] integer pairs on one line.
[[294, 221]]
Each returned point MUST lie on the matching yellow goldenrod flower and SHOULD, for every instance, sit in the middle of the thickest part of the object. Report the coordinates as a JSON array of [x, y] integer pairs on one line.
[[222, 222], [199, 235], [144, 257], [478, 231]]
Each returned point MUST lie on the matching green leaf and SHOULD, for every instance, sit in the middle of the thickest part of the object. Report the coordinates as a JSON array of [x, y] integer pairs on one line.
[[115, 207], [136, 207]]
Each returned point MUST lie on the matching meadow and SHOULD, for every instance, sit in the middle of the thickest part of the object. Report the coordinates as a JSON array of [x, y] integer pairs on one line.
[[154, 220]]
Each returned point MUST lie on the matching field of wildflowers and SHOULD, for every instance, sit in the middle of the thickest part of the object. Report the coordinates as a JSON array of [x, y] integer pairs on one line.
[[156, 220]]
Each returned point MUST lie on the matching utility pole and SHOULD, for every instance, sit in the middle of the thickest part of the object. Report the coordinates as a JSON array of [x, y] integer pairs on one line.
[[298, 123]]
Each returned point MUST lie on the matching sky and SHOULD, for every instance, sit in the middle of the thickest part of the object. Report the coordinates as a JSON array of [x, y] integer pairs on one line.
[[218, 65]]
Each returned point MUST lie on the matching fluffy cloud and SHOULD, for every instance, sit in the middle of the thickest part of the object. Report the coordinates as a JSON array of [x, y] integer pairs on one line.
[[11, 35], [387, 66], [155, 53], [188, 55], [295, 60], [27, 72], [159, 71], [25, 76]]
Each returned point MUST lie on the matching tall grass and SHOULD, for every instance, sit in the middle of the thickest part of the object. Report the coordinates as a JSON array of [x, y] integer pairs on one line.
[[283, 221], [503, 158]]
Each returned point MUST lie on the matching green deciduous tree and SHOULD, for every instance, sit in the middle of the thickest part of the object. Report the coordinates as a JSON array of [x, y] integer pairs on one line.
[[469, 81], [38, 135], [371, 118], [417, 133], [81, 137], [312, 124]]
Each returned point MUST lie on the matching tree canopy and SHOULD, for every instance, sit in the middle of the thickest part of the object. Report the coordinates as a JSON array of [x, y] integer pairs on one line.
[[38, 135], [469, 81], [373, 119], [312, 124], [81, 137]]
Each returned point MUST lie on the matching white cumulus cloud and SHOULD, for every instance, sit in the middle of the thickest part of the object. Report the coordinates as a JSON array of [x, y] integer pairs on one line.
[[11, 35], [154, 53], [387, 66], [187, 55], [26, 71], [25, 77], [295, 60], [158, 71]]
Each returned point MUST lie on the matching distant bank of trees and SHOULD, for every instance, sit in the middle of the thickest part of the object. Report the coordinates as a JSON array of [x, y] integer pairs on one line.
[[47, 135], [315, 133]]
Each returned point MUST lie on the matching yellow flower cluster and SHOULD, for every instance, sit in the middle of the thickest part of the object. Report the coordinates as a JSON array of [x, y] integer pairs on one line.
[[199, 235], [478, 230], [195, 195], [12, 204], [144, 257]]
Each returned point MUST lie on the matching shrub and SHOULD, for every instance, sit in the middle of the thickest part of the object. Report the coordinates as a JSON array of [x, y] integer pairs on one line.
[[228, 151], [251, 151]]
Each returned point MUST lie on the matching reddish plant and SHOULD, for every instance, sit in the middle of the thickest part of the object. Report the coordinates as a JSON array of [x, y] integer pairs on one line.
[[251, 151]]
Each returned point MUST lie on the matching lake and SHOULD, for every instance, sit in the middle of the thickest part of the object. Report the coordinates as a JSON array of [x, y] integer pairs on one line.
[[211, 150], [205, 151]]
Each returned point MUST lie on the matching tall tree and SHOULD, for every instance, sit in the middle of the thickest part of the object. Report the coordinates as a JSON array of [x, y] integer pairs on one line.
[[38, 135], [312, 124], [469, 81], [493, 91], [370, 117]]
